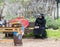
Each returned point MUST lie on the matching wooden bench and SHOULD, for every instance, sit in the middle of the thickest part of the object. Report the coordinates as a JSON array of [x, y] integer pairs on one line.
[[30, 27], [11, 29]]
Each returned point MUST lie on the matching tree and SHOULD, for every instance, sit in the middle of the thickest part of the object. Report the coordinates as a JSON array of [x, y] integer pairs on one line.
[[2, 8], [28, 8]]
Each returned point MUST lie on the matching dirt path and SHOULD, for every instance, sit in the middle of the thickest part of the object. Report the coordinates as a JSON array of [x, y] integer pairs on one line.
[[31, 43]]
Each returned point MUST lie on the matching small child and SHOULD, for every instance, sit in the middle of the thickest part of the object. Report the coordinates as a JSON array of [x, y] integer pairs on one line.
[[18, 36]]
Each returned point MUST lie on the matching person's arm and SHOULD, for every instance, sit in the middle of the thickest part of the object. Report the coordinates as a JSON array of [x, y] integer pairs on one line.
[[36, 22], [22, 29], [44, 22]]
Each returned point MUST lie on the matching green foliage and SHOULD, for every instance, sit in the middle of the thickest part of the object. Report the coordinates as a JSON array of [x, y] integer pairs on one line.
[[11, 1], [32, 19], [1, 1], [51, 23]]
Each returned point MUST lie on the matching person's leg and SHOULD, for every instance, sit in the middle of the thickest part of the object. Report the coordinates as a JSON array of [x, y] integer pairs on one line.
[[44, 34], [39, 36], [35, 36], [6, 35], [36, 33], [20, 40], [40, 33], [17, 39], [11, 34]]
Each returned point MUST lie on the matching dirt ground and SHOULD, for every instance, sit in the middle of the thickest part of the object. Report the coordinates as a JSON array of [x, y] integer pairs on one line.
[[49, 42], [31, 43]]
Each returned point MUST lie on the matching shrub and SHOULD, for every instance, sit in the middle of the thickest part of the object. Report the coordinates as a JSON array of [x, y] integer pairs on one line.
[[51, 23]]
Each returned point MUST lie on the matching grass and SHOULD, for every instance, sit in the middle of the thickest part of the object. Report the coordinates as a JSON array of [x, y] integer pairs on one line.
[[53, 33]]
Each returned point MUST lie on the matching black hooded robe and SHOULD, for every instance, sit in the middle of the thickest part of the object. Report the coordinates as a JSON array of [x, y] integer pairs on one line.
[[40, 32]]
